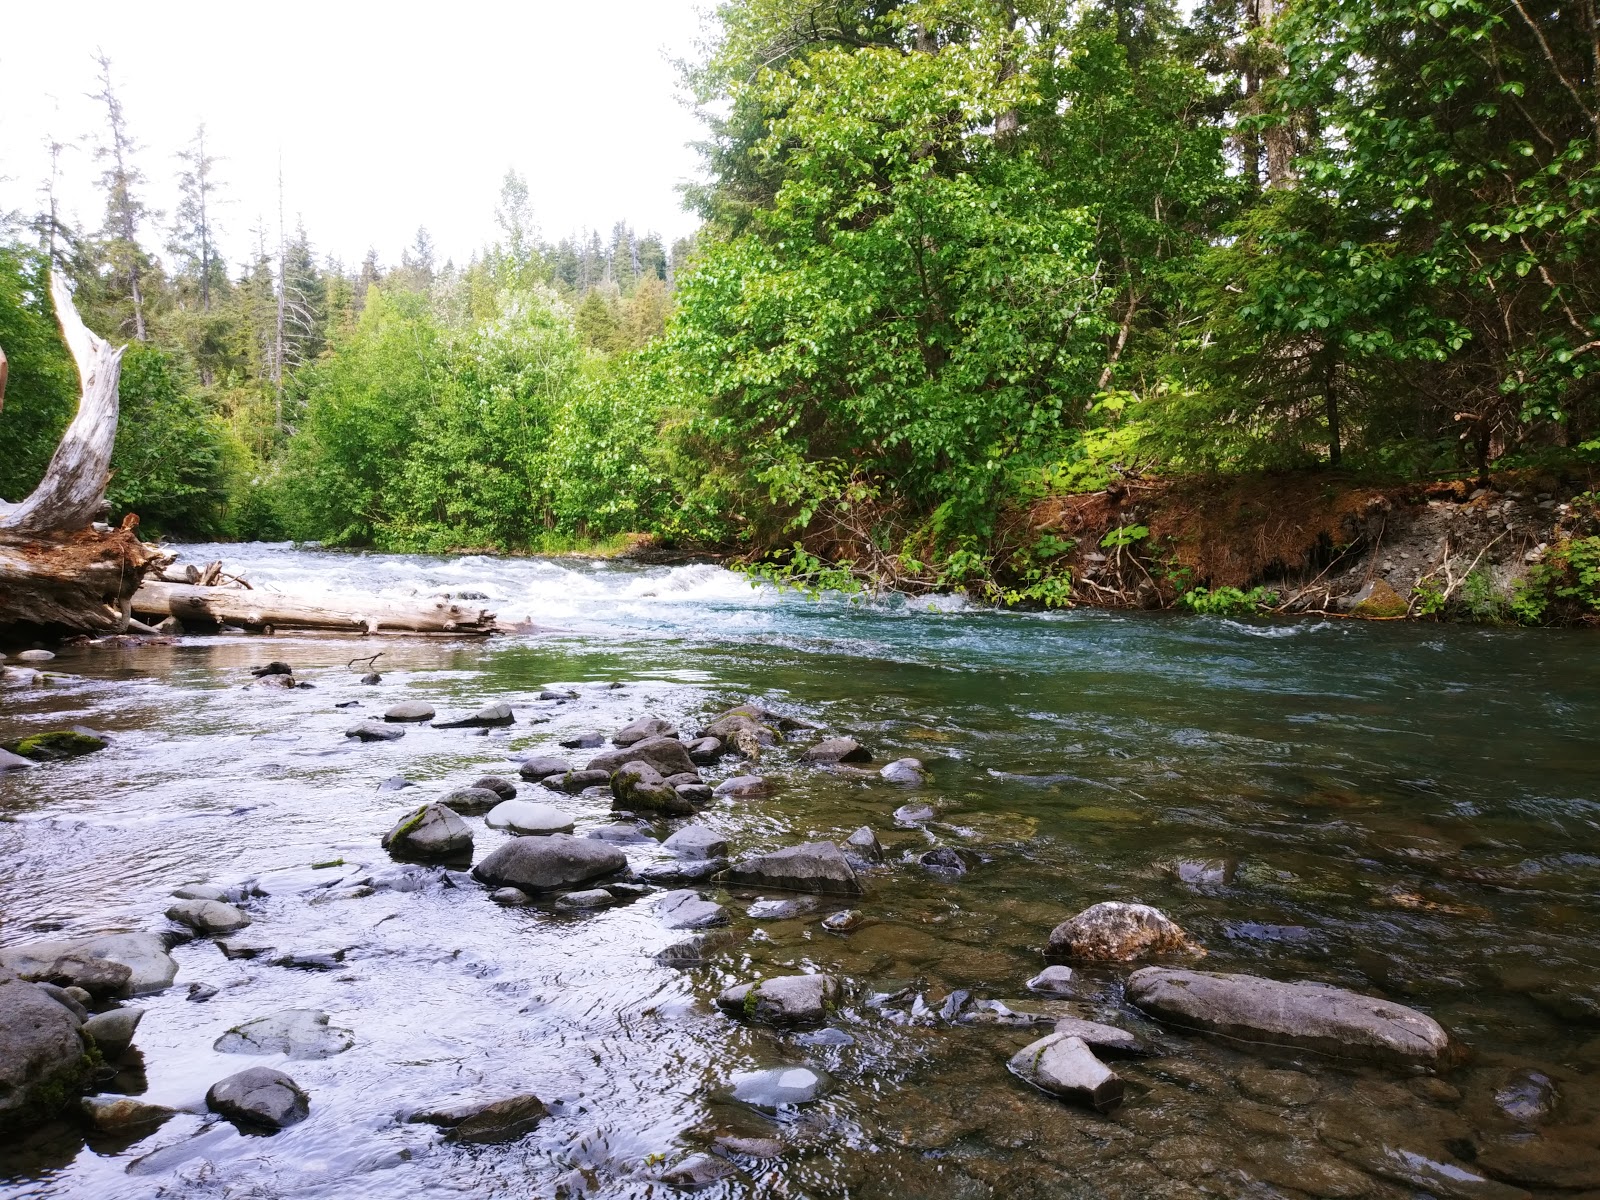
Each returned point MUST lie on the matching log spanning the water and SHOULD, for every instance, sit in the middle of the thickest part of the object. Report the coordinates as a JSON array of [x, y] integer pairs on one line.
[[57, 567], [257, 609]]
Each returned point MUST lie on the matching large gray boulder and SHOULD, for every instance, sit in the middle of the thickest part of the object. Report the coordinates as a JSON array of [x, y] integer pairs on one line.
[[1063, 1065], [44, 1059], [639, 787], [665, 754], [259, 1099], [546, 864], [490, 714], [644, 727], [150, 968], [1306, 1016], [430, 831], [295, 1032], [368, 731], [817, 867], [784, 1000], [1118, 932]]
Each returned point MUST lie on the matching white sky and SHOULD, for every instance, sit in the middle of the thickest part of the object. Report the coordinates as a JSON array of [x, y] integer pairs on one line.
[[388, 116]]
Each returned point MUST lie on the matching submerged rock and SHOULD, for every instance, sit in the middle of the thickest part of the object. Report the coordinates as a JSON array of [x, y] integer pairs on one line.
[[743, 787], [783, 1000], [1064, 1066], [907, 771], [55, 745], [696, 951], [13, 762], [585, 899], [1118, 932], [489, 715], [687, 870], [410, 710], [817, 867], [527, 818], [259, 1099], [395, 783], [644, 727], [44, 1058], [535, 770], [639, 787], [622, 835], [696, 841], [553, 863], [589, 739], [1307, 1016], [699, 1171], [372, 731], [1446, 1180], [837, 750], [431, 831], [1103, 1039], [482, 1124], [949, 860], [782, 910], [847, 921], [914, 814], [666, 755], [298, 1033], [123, 1114], [778, 1087], [208, 917], [687, 909]]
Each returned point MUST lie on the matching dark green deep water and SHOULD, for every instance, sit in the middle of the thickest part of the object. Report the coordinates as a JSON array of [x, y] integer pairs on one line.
[[1407, 810]]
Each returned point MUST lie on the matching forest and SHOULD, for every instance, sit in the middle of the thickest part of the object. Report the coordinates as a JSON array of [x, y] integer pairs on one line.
[[953, 258]]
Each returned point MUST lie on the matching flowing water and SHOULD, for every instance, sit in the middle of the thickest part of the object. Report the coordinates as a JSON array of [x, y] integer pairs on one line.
[[1407, 810]]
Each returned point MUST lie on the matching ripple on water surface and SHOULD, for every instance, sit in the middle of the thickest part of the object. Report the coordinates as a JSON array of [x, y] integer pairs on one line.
[[1410, 812]]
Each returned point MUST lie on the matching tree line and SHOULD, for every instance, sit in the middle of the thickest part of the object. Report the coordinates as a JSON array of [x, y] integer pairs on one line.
[[952, 256]]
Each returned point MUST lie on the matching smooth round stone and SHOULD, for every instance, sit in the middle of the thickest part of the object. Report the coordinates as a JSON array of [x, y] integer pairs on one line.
[[588, 898], [778, 1087], [744, 786], [510, 897], [33, 656], [526, 817], [914, 814], [410, 710]]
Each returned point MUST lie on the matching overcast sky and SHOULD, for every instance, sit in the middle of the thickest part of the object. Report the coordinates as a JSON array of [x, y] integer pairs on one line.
[[387, 116]]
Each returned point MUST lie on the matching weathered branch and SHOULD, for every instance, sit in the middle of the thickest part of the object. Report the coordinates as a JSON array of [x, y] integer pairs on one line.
[[72, 493]]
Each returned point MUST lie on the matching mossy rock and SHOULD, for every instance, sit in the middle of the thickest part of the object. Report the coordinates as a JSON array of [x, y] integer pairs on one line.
[[56, 745], [1381, 601]]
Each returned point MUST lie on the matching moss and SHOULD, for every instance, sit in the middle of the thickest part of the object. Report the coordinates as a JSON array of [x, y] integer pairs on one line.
[[1383, 602], [55, 745], [752, 1001], [50, 1097], [410, 825]]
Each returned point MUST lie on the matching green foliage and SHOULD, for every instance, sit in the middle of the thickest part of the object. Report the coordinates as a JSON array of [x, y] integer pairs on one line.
[[174, 457], [42, 392], [1125, 535], [1566, 583], [1228, 601]]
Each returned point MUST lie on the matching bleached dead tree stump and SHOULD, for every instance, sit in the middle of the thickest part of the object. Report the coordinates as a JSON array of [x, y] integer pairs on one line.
[[55, 567]]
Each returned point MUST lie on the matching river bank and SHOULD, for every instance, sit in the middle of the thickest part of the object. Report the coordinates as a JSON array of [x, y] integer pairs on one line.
[[1335, 802]]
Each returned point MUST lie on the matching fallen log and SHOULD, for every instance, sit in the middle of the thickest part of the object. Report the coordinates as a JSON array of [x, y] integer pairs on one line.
[[194, 604], [57, 567]]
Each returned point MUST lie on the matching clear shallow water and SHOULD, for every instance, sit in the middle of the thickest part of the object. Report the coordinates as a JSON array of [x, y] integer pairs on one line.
[[1412, 810]]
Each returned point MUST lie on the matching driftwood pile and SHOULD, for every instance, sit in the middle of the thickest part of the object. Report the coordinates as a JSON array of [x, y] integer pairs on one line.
[[61, 566]]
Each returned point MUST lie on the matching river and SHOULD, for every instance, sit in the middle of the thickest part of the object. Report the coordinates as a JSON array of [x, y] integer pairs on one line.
[[1403, 809]]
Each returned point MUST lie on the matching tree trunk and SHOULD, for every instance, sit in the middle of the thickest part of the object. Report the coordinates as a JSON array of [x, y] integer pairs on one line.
[[54, 568], [255, 609]]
